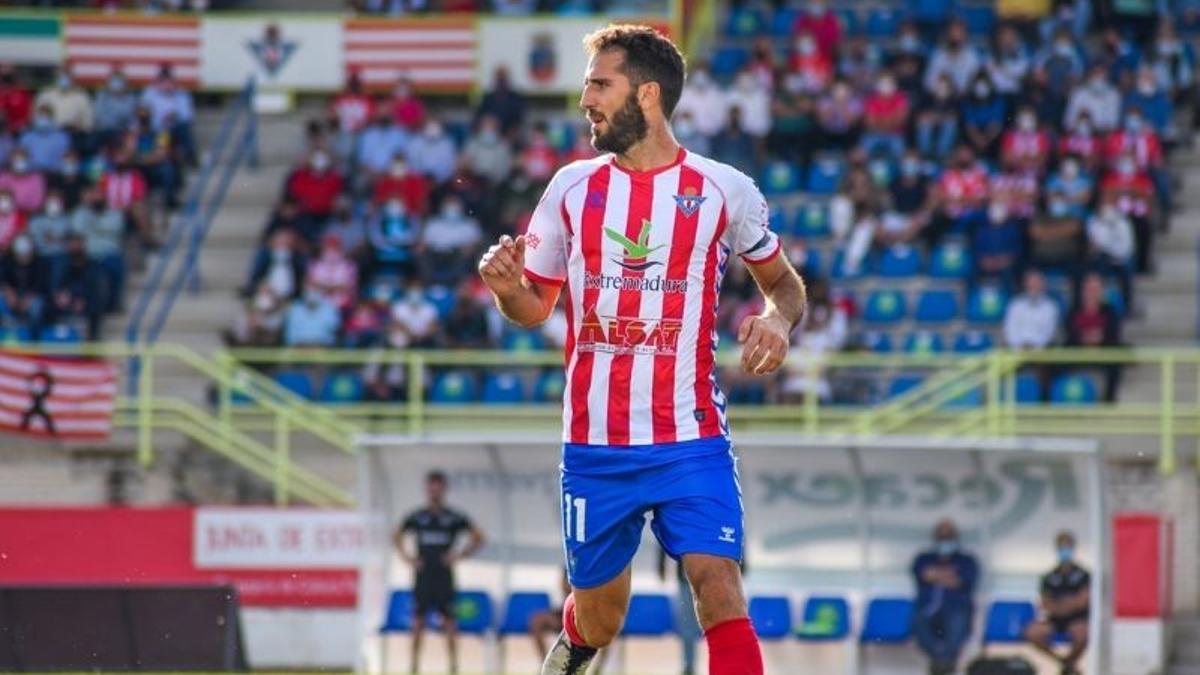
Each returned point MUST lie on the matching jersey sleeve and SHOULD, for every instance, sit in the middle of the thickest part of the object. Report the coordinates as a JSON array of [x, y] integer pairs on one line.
[[748, 233], [546, 238], [409, 524]]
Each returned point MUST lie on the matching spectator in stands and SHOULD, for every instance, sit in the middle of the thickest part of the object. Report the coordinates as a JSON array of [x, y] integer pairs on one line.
[[1007, 65], [115, 109], [809, 70], [983, 113], [408, 111], [333, 274], [1056, 237], [404, 184], [102, 226], [1081, 140], [515, 202], [1027, 146], [683, 126], [793, 126], [12, 220], [379, 144], [364, 324], [907, 60], [8, 142], [1017, 188], [1140, 140], [260, 321], [48, 230], [315, 187], [1098, 97], [705, 102], [24, 282], [157, 157], [1173, 60], [1151, 100], [960, 198], [822, 25], [1024, 15], [910, 189], [997, 245], [936, 124], [69, 104], [125, 188], [414, 320], [449, 243], [27, 185], [824, 331], [1111, 245], [539, 159], [734, 146], [171, 110], [1133, 193], [762, 63], [753, 100], [1066, 600], [347, 225], [503, 103], [432, 152], [1073, 186], [488, 153], [955, 59], [885, 118], [353, 107], [466, 325], [946, 577], [1095, 323], [859, 64], [280, 265], [45, 142], [839, 117], [76, 296], [1031, 319], [312, 321], [16, 102], [1059, 64], [394, 234]]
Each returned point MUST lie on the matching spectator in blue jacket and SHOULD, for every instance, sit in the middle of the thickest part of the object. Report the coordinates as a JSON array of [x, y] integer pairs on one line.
[[946, 577]]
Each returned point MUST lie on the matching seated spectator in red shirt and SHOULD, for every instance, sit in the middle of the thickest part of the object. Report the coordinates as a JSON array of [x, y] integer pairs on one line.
[[762, 62], [1017, 189], [539, 159], [28, 187], [823, 25], [1081, 140], [332, 274], [1132, 192], [404, 184], [125, 189], [16, 102], [885, 118], [1094, 323], [811, 71], [959, 197], [408, 111], [12, 220], [1027, 146], [353, 107], [1136, 138], [839, 117], [315, 186]]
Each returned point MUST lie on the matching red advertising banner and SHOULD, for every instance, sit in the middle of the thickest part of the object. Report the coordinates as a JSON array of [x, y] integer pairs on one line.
[[166, 546]]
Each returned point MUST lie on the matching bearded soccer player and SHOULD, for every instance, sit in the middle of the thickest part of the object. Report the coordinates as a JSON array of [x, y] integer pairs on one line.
[[640, 238]]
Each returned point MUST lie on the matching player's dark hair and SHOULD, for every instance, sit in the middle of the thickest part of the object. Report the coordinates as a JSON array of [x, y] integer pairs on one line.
[[649, 57], [436, 476]]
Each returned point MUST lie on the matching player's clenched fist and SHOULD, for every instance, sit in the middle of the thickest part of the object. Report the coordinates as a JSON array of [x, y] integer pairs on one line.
[[503, 264], [764, 343]]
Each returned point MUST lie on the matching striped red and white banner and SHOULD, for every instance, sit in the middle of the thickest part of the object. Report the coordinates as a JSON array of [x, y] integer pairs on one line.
[[433, 53], [136, 46], [51, 397]]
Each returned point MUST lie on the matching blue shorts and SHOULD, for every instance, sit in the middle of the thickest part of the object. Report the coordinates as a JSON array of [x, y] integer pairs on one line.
[[691, 488]]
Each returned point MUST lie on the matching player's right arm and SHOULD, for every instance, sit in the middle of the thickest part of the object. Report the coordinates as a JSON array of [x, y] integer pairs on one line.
[[400, 541], [525, 302]]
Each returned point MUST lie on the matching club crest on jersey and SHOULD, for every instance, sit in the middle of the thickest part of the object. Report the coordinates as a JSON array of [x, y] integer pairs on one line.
[[634, 258], [689, 202]]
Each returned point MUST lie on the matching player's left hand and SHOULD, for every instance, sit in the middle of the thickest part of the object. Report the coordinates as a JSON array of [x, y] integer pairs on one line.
[[764, 343], [449, 559]]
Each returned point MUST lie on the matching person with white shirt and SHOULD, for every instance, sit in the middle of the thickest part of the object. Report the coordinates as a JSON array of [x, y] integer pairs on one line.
[[1032, 318], [1098, 98], [1111, 246], [414, 320], [450, 239], [708, 105], [171, 110], [753, 99]]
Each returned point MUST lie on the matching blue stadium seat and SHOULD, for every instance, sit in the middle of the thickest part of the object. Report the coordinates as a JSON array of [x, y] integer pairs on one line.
[[296, 381], [838, 271], [519, 609], [826, 618], [899, 262], [848, 16], [453, 386], [980, 19], [15, 334], [522, 340], [950, 261], [503, 388], [931, 11], [1073, 389], [888, 621], [902, 384], [745, 22], [885, 307], [777, 218], [937, 306], [825, 175], [812, 220], [442, 298], [1116, 299], [1006, 622], [972, 342], [1028, 388], [771, 616], [924, 342], [812, 263], [780, 177], [972, 398], [549, 387], [61, 334], [399, 613], [883, 22], [342, 387], [877, 341], [783, 20], [649, 615], [882, 170], [472, 609], [986, 304], [727, 61]]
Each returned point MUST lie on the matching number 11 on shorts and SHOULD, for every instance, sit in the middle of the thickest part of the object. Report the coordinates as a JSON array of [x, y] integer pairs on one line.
[[575, 526]]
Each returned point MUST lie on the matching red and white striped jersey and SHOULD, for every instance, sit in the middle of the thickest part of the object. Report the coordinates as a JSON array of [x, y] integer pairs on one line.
[[642, 255]]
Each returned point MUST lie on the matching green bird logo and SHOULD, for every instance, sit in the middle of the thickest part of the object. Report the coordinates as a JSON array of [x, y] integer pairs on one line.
[[635, 251]]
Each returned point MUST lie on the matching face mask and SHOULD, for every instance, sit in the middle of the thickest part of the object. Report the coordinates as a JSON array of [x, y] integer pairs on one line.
[[910, 167], [394, 209], [1083, 129], [20, 164], [70, 168], [43, 122], [116, 84], [997, 213], [399, 170], [806, 47], [22, 246], [1168, 47], [1097, 83], [433, 130], [1109, 214], [685, 128], [489, 135], [700, 78], [1026, 123], [1146, 88], [1058, 208], [1125, 167], [452, 210], [64, 81], [264, 302], [1070, 170], [53, 207], [1063, 48], [1134, 124], [280, 254], [1066, 554], [320, 162], [909, 42], [947, 547], [312, 298], [817, 10], [887, 87], [982, 90], [414, 297]]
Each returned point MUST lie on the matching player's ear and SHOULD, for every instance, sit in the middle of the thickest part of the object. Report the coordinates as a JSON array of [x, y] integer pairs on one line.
[[649, 94]]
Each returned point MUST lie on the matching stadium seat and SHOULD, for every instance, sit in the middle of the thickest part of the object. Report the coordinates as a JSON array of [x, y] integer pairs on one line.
[[522, 340], [848, 16], [888, 621], [783, 20], [1006, 622], [296, 381], [745, 22], [972, 398], [777, 218], [649, 615], [442, 298], [824, 176], [60, 334], [1115, 299], [937, 306], [473, 610], [883, 22], [825, 619], [812, 220], [930, 11], [882, 171], [986, 304], [342, 387], [780, 178], [1028, 388], [838, 271], [877, 341], [503, 388], [902, 384], [899, 262], [453, 386], [549, 387], [399, 613], [518, 610], [885, 307], [980, 19], [924, 342], [972, 342], [1073, 389], [812, 263], [727, 61], [950, 261], [771, 616], [15, 335]]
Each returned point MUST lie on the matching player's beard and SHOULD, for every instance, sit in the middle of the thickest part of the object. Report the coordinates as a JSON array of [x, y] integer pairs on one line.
[[625, 128]]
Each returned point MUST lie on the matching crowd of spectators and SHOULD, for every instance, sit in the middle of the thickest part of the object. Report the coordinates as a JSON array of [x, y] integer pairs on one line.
[[511, 7], [1040, 146], [86, 178]]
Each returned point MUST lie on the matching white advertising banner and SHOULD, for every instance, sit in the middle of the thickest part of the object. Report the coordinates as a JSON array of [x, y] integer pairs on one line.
[[544, 57], [280, 53], [262, 538]]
